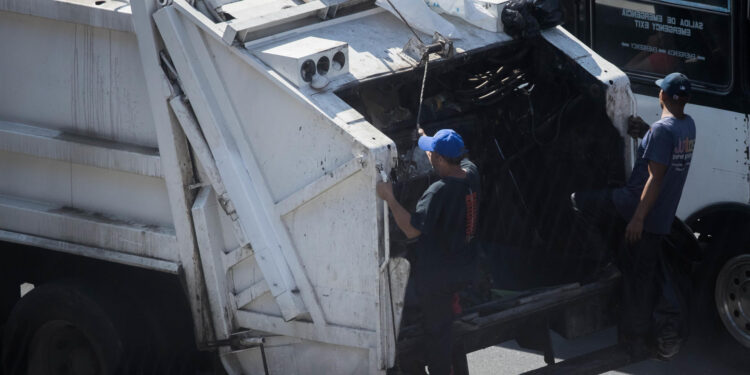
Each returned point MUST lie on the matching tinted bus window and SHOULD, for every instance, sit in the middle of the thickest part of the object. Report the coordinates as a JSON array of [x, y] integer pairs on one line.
[[653, 38]]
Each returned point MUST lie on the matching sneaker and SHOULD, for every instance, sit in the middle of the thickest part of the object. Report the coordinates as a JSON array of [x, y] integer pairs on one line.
[[667, 349]]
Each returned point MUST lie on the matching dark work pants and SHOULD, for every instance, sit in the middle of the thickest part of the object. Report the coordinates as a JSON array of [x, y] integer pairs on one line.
[[437, 308], [434, 289], [640, 289], [638, 262]]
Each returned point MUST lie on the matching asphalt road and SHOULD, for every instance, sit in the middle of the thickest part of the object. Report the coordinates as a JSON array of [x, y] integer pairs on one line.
[[700, 355]]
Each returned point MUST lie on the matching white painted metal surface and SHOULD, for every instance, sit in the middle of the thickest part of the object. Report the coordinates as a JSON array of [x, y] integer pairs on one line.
[[283, 233]]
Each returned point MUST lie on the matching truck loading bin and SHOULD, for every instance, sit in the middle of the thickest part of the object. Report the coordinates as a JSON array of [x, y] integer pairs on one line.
[[195, 141], [536, 126]]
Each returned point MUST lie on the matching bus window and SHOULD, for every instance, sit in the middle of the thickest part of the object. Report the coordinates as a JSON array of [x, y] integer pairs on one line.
[[650, 39]]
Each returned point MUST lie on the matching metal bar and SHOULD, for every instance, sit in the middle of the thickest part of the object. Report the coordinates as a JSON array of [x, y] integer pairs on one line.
[[243, 29], [91, 252], [306, 29], [193, 133], [54, 144], [90, 229], [550, 299], [199, 18], [110, 15], [236, 256], [319, 186], [263, 357], [252, 293], [596, 362], [332, 334], [219, 297], [481, 332]]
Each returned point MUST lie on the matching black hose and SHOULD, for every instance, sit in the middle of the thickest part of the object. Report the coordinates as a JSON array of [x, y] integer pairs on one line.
[[560, 114]]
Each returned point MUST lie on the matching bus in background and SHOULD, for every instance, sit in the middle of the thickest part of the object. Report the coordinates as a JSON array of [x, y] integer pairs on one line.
[[708, 41]]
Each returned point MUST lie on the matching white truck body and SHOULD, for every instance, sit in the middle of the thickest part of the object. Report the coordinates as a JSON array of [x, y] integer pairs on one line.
[[259, 193]]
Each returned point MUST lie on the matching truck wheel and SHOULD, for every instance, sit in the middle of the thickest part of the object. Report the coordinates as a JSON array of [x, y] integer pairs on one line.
[[9, 293], [732, 297], [61, 328]]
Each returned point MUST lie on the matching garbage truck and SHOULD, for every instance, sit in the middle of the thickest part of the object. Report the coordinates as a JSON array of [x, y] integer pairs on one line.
[[188, 186]]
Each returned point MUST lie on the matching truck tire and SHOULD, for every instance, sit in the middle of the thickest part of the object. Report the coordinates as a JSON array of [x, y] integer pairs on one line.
[[62, 328]]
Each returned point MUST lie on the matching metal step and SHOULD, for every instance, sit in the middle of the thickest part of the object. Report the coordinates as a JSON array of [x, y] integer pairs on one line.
[[506, 320]]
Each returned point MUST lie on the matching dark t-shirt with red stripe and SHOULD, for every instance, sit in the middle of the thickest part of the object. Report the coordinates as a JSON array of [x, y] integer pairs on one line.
[[447, 215]]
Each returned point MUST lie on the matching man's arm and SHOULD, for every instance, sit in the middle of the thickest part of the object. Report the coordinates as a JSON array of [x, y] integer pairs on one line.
[[400, 214], [656, 172]]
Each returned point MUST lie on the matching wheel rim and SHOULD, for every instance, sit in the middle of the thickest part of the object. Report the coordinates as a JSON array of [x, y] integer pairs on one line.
[[60, 348], [733, 297]]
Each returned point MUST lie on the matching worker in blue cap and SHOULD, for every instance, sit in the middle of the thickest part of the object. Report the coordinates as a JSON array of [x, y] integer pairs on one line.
[[644, 210], [444, 224]]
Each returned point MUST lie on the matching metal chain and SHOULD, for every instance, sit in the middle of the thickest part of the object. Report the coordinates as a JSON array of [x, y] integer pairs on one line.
[[421, 92]]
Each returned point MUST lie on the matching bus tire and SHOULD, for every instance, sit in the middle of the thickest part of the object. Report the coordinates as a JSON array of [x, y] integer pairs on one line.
[[732, 297], [723, 287]]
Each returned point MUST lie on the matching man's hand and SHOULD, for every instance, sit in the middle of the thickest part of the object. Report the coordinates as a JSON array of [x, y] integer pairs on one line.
[[634, 230], [420, 132], [402, 217], [384, 190], [637, 128]]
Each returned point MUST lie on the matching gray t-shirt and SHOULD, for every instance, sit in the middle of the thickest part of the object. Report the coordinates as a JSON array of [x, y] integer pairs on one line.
[[670, 141]]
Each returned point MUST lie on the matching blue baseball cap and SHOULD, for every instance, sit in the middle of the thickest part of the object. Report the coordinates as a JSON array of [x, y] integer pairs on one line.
[[675, 85], [445, 142]]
